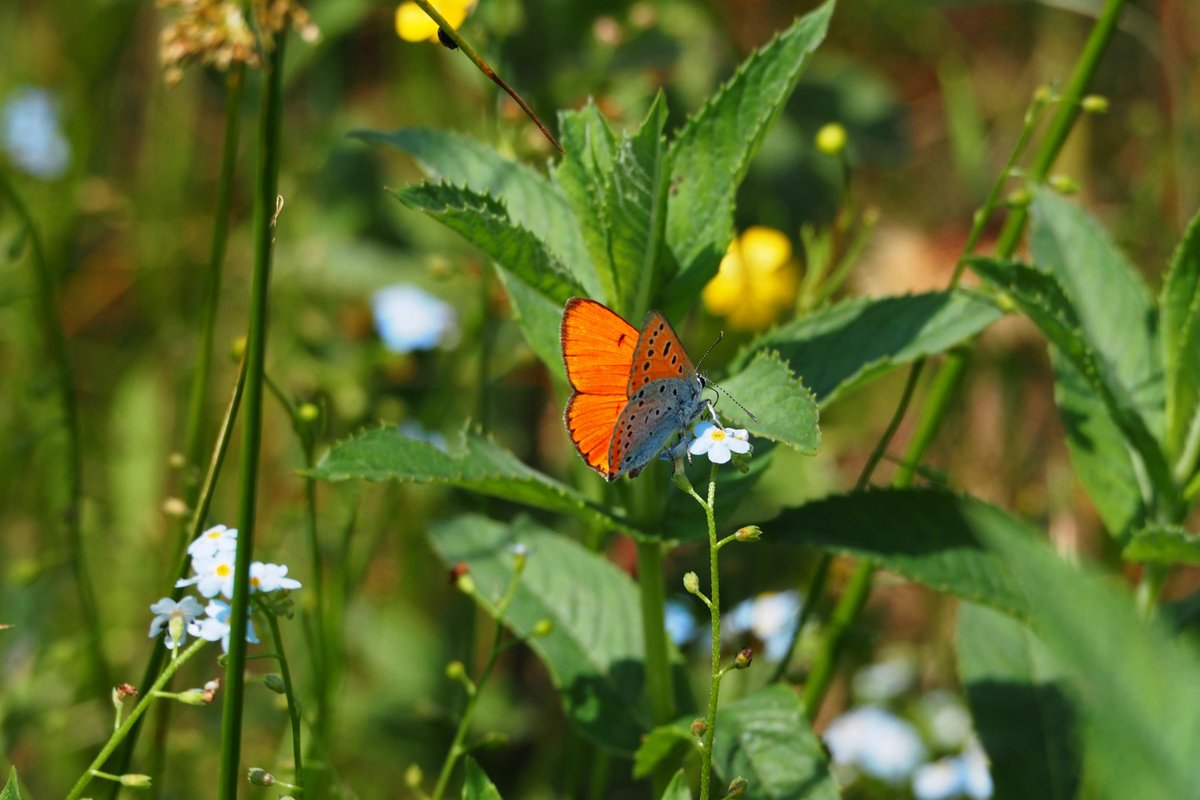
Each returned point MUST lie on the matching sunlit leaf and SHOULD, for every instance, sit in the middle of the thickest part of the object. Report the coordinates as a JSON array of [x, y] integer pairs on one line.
[[665, 745], [786, 410], [477, 785], [678, 788], [12, 788], [1163, 544], [1179, 314]]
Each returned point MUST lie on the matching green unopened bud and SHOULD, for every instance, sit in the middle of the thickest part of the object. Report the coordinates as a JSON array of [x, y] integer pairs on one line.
[[260, 777], [1019, 198], [493, 740], [466, 584], [544, 627], [520, 557], [699, 728], [1094, 104], [135, 781], [274, 683], [680, 478], [194, 697], [413, 777], [308, 412], [831, 139], [177, 460], [737, 787], [691, 583], [175, 507], [237, 348], [1064, 184], [175, 628], [1043, 94], [455, 671], [749, 533], [743, 658]]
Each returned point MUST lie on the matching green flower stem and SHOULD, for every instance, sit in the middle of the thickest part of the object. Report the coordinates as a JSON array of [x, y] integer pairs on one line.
[[264, 210], [122, 732], [289, 690], [854, 596], [457, 749], [60, 358], [483, 67], [321, 653]]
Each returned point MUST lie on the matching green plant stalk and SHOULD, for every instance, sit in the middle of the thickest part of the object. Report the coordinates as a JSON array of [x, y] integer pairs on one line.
[[293, 702], [60, 357], [322, 651], [266, 181], [483, 67], [123, 731], [854, 597]]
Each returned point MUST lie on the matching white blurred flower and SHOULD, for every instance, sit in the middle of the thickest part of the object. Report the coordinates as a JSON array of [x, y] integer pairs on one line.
[[409, 318], [217, 539], [771, 616], [31, 133], [876, 742], [964, 775], [680, 623], [885, 680], [214, 575], [949, 723], [215, 627], [719, 443], [270, 577]]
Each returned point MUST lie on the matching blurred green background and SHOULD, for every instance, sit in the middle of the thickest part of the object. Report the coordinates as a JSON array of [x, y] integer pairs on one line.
[[931, 94]]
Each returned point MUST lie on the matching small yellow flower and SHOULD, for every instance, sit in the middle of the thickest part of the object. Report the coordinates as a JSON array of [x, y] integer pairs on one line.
[[757, 280], [414, 25]]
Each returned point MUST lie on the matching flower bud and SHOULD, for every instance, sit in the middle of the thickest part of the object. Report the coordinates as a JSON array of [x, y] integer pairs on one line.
[[520, 556], [544, 627], [466, 584], [175, 628], [260, 777], [749, 533], [135, 781], [699, 728], [194, 697], [177, 460], [1043, 94], [691, 583], [413, 777], [1064, 184], [831, 139], [743, 658], [1094, 104], [237, 348], [308, 412], [1019, 198], [124, 690], [274, 683], [175, 507], [455, 671], [737, 787], [680, 478]]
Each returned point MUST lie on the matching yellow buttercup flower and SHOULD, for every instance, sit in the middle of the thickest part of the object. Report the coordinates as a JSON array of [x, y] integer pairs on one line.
[[414, 25], [757, 280]]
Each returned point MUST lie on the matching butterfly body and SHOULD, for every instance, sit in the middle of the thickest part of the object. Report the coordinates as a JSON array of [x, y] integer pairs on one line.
[[634, 390]]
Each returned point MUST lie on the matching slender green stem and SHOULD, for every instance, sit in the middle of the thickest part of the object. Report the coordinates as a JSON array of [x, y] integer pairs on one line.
[[483, 67], [289, 689], [322, 650], [854, 596], [1150, 587], [60, 358], [264, 213], [660, 688], [457, 750], [714, 613], [122, 732]]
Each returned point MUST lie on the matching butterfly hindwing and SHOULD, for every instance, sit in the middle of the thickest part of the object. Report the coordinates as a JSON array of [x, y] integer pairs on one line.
[[659, 355], [654, 414], [591, 420]]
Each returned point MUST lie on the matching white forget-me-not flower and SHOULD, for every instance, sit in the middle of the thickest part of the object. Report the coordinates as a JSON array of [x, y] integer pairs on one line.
[[409, 318]]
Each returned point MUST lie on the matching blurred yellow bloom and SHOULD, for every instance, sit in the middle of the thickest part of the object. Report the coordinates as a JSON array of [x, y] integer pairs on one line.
[[756, 281], [414, 25]]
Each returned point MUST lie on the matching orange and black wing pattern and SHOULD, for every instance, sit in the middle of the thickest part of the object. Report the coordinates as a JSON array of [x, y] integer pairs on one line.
[[658, 355], [598, 348]]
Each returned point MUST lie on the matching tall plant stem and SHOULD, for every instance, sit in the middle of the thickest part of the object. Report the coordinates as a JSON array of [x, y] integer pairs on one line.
[[266, 191], [60, 358], [854, 596], [714, 609], [289, 690]]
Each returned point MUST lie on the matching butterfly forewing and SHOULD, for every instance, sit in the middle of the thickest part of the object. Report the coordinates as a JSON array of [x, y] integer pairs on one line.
[[658, 355], [597, 347]]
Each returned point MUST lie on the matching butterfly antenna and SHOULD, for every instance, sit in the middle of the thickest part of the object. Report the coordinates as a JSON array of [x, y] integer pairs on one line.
[[734, 399], [720, 336]]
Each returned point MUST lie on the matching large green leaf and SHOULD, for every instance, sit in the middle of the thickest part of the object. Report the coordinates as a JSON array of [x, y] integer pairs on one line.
[[484, 222], [477, 785], [1163, 544], [477, 464], [767, 739], [710, 156], [594, 652], [848, 344], [786, 411], [1134, 686], [678, 788], [539, 318], [1179, 314], [1041, 298], [926, 535], [12, 788], [1020, 705], [533, 202], [666, 744]]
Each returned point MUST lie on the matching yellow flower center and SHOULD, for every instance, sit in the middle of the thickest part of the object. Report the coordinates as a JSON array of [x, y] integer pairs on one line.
[[254, 582], [718, 435], [223, 570]]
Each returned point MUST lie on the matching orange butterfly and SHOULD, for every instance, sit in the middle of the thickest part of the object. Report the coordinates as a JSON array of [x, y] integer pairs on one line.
[[634, 390]]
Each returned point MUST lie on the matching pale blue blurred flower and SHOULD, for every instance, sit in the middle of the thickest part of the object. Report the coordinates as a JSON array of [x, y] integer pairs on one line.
[[31, 133], [964, 775], [885, 679], [876, 742], [270, 577], [215, 627], [771, 616], [167, 609], [681, 624], [946, 718], [408, 318], [415, 430]]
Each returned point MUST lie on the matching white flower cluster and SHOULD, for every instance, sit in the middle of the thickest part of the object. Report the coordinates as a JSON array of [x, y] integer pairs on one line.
[[212, 556]]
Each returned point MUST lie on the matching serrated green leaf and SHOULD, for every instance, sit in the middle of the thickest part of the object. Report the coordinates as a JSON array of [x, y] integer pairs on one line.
[[1041, 298], [12, 788], [926, 535], [1163, 544], [477, 785], [666, 745], [1133, 686], [538, 317], [477, 464], [710, 156], [585, 176], [1179, 315], [786, 410], [532, 201], [844, 346], [484, 222], [594, 651], [1020, 704], [767, 739], [678, 788]]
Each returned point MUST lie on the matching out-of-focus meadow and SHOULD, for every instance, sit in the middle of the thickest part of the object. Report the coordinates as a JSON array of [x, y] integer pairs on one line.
[[379, 314]]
